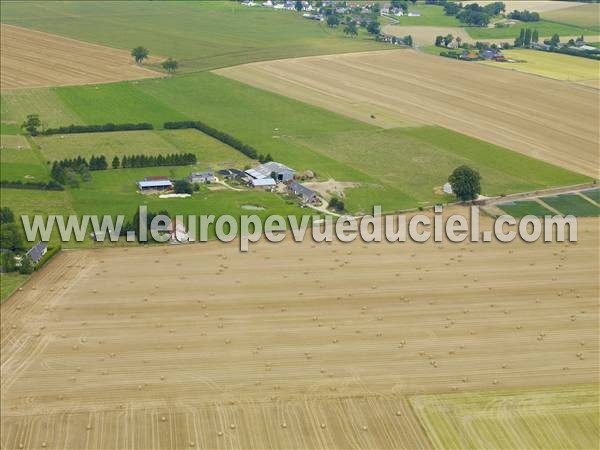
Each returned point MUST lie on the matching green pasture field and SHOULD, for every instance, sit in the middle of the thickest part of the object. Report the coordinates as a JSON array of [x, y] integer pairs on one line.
[[397, 169], [210, 152], [410, 163], [544, 28], [9, 129], [572, 204], [431, 16], [594, 194], [17, 104], [525, 208], [549, 418], [10, 282], [587, 16], [23, 165], [13, 141], [200, 35]]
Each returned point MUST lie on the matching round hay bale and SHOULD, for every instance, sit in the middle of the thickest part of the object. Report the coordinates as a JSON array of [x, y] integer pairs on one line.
[[232, 426], [163, 419], [220, 433], [284, 425]]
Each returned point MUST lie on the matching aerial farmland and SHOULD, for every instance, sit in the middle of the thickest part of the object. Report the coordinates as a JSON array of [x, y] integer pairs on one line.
[[320, 110]]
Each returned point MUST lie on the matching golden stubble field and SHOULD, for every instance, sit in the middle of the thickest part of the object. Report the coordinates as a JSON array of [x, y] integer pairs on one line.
[[32, 58], [288, 346], [547, 119]]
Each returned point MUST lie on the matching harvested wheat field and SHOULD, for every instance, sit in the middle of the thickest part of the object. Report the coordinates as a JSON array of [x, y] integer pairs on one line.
[[32, 58], [547, 119], [288, 346]]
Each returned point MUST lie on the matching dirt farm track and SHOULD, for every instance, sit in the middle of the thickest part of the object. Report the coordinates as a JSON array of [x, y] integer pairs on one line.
[[288, 346], [403, 87], [32, 58]]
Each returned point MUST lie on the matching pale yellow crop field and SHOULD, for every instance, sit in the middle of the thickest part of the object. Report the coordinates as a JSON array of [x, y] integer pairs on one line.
[[287, 346]]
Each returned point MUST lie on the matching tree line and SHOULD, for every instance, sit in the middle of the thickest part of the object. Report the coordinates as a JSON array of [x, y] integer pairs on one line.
[[71, 129], [51, 185], [171, 159]]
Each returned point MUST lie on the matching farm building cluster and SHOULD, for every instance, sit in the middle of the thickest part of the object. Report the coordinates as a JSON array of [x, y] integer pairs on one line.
[[270, 176]]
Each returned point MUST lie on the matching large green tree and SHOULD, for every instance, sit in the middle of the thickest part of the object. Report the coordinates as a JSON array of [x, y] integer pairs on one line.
[[466, 183], [170, 65], [31, 124], [140, 54]]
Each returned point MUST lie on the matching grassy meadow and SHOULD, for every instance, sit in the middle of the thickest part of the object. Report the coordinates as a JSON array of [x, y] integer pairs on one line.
[[560, 417], [209, 151], [201, 35]]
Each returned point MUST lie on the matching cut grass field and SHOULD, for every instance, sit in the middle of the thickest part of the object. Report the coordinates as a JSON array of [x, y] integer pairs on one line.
[[301, 136], [200, 35], [33, 59], [572, 204], [552, 65], [560, 417], [209, 151], [580, 15], [516, 112], [333, 334]]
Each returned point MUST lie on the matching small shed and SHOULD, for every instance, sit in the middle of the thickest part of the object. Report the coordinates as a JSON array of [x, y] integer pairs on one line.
[[155, 185]]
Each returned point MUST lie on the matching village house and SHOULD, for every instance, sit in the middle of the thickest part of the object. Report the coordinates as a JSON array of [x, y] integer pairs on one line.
[[307, 195], [37, 252]]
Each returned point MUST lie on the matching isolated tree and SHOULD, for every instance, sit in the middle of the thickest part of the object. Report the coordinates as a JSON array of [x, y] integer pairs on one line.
[[140, 54], [466, 183], [31, 124], [170, 65], [439, 40], [535, 37], [408, 40], [298, 6], [116, 163], [26, 267], [374, 27], [351, 29]]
